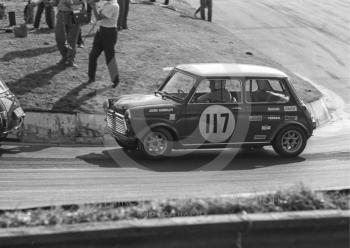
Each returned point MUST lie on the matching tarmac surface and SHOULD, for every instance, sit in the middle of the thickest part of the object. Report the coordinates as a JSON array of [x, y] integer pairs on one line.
[[307, 37], [40, 175], [310, 38]]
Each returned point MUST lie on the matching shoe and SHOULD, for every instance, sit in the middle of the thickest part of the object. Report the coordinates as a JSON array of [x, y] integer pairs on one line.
[[81, 46], [62, 62], [125, 27], [71, 64], [119, 28], [91, 80], [115, 84]]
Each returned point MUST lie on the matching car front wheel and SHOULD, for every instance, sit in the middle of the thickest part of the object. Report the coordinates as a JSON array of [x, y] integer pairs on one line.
[[290, 142], [156, 143]]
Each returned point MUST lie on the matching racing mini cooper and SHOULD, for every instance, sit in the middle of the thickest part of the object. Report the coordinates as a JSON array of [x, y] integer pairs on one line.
[[11, 114], [213, 106]]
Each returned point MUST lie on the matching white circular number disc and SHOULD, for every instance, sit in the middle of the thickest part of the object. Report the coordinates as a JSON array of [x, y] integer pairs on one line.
[[216, 123]]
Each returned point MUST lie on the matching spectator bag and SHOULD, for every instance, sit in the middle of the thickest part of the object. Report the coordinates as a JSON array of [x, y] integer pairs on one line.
[[81, 17]]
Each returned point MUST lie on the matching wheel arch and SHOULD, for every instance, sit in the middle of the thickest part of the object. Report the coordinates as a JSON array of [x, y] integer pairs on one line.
[[290, 124], [173, 132]]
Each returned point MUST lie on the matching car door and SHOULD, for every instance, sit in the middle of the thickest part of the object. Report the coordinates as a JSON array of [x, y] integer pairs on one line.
[[266, 98], [215, 121]]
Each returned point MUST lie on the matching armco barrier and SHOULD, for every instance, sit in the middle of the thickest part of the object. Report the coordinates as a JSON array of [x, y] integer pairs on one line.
[[281, 230], [62, 128]]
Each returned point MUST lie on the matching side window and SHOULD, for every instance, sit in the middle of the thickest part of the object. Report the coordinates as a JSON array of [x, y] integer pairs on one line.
[[203, 87], [212, 91], [234, 86], [265, 91]]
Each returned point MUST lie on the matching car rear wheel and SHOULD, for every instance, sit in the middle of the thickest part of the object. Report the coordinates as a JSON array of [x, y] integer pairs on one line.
[[290, 142], [156, 144]]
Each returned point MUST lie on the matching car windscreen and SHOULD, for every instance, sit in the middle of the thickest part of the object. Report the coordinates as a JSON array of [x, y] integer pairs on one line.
[[179, 85], [3, 87]]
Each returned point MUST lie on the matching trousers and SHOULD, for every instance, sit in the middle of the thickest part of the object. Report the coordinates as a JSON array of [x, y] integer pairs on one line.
[[206, 4], [104, 41], [123, 13], [49, 15], [66, 33]]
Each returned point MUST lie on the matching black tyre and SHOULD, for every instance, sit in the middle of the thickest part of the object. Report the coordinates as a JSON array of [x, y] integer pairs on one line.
[[156, 144], [290, 141]]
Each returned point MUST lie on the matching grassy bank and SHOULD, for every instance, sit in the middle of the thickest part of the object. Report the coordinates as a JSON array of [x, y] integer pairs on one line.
[[158, 37], [295, 199]]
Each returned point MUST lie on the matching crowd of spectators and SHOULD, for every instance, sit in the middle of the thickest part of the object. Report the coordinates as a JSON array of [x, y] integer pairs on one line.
[[110, 16]]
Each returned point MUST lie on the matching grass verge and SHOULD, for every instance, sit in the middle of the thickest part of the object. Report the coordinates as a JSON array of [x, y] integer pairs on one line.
[[295, 199], [158, 37]]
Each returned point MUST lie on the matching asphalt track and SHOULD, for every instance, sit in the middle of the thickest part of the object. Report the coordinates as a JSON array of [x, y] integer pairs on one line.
[[310, 38], [40, 176]]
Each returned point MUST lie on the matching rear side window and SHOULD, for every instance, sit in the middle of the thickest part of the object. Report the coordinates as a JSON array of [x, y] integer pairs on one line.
[[266, 91]]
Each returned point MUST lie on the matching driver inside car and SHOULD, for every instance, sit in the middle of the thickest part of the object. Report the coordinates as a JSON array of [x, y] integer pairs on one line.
[[218, 93]]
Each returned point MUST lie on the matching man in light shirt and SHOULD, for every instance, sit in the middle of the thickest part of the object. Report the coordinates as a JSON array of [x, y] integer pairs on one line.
[[105, 39]]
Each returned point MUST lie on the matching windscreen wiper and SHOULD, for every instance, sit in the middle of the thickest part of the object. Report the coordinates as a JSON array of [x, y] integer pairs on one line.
[[166, 94]]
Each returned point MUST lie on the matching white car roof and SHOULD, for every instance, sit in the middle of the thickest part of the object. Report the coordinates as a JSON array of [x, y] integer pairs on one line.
[[231, 70]]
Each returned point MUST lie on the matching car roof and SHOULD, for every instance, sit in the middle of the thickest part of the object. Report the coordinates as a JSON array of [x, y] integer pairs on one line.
[[231, 70]]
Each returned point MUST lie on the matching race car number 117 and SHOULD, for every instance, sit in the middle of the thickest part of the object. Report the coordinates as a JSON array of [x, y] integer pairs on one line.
[[216, 123]]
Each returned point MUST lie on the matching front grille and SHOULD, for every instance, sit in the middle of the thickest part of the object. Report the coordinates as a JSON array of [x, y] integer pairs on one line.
[[116, 123]]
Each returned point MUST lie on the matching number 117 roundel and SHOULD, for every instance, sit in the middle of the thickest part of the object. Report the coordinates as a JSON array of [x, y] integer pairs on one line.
[[216, 123], [213, 106]]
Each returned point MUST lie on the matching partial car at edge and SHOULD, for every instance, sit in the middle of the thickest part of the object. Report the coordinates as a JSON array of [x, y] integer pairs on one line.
[[11, 114]]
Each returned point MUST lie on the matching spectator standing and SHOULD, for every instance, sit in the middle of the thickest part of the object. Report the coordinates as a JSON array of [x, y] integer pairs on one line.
[[205, 4], [80, 41], [105, 39], [123, 14], [49, 13], [2, 11], [28, 12], [67, 30], [166, 2]]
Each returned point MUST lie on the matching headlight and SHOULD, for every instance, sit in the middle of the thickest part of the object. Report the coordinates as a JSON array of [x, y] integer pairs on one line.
[[127, 114], [3, 87]]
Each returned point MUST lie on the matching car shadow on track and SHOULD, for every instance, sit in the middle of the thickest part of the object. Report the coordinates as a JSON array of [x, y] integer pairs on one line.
[[5, 149], [201, 160]]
